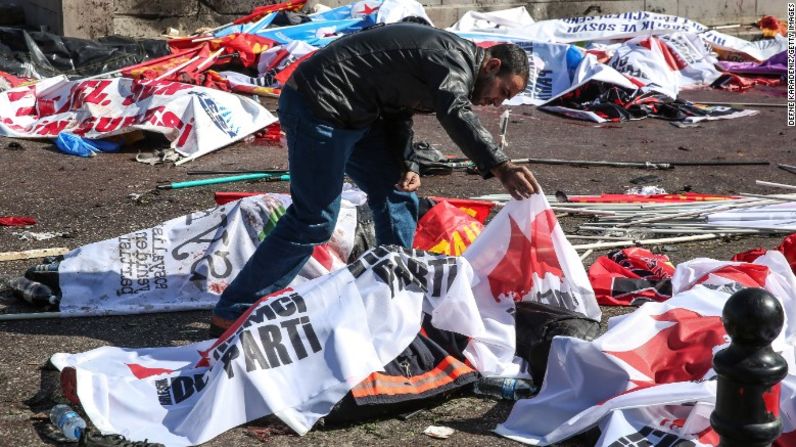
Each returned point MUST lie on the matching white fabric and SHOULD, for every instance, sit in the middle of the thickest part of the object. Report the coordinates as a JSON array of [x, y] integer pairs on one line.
[[781, 216], [500, 21], [392, 11], [196, 120], [328, 335], [523, 236], [640, 378], [186, 262], [621, 26]]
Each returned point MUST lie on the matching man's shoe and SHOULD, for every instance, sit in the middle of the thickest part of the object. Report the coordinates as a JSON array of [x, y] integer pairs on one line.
[[219, 325], [91, 438]]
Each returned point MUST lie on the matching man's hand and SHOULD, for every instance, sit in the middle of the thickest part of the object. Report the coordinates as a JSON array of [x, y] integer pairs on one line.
[[518, 180], [410, 182]]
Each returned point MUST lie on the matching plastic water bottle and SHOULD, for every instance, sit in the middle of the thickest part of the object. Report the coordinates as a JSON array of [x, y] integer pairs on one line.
[[507, 388], [68, 421]]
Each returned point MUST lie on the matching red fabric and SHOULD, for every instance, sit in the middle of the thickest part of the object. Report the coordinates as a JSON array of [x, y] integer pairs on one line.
[[653, 198], [155, 67], [446, 229], [272, 134], [14, 81], [248, 46], [16, 221], [260, 11], [479, 209], [770, 26], [624, 276], [749, 255], [285, 74], [787, 248], [740, 83]]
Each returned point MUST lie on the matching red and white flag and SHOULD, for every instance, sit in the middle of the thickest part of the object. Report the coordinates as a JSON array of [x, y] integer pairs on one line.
[[649, 379], [197, 120], [522, 255]]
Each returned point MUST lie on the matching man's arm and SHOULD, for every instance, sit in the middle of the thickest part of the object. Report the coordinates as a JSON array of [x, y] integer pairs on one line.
[[454, 112], [398, 129]]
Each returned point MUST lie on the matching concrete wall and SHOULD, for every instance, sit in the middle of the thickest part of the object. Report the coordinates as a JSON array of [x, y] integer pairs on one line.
[[93, 18]]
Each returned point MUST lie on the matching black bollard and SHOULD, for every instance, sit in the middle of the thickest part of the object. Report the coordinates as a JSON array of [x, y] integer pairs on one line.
[[749, 372]]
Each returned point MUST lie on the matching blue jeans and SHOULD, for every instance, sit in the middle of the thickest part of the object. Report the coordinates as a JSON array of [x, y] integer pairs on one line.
[[319, 155]]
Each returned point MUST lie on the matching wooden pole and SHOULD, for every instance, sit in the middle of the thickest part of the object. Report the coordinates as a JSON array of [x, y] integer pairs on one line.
[[32, 254]]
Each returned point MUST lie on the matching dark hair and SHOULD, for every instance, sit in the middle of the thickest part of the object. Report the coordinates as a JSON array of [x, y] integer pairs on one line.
[[513, 60], [416, 19]]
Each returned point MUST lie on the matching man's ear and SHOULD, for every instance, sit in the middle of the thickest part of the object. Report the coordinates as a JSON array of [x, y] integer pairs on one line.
[[493, 65]]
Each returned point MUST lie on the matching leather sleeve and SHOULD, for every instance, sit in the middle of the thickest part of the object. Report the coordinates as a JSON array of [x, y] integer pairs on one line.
[[398, 129], [454, 111]]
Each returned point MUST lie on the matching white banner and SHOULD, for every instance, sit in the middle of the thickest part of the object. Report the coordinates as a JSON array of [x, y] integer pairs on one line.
[[187, 262], [196, 120], [522, 255], [654, 366], [781, 216], [619, 26], [294, 354]]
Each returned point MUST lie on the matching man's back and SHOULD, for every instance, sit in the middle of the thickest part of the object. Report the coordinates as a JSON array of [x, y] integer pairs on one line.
[[388, 69]]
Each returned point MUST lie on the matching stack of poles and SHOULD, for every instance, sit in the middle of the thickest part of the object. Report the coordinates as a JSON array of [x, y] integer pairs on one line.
[[619, 225]]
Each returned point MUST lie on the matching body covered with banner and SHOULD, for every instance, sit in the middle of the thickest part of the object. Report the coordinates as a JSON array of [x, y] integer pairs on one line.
[[187, 262], [296, 353], [522, 255], [197, 120], [649, 379]]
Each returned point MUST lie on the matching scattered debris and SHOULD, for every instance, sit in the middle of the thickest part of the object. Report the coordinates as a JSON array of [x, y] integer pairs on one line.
[[438, 431], [38, 236], [158, 156]]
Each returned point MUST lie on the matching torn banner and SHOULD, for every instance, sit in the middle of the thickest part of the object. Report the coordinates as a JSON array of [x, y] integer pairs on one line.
[[197, 120], [187, 262], [294, 354], [656, 385]]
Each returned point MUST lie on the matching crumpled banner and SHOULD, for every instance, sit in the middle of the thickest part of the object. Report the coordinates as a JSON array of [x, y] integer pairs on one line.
[[187, 262], [654, 366], [630, 276], [787, 248], [197, 120], [294, 354], [446, 229]]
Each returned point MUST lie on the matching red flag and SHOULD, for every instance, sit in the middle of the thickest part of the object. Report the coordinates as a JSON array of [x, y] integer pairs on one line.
[[260, 11], [513, 275], [446, 229], [680, 352], [624, 276]]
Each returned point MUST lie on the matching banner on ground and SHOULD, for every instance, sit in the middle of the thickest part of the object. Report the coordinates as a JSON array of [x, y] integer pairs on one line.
[[622, 26], [294, 354], [522, 255], [187, 262], [197, 120], [654, 366]]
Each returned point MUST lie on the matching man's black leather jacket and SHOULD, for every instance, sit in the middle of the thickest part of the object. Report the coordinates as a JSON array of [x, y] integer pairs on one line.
[[390, 73]]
